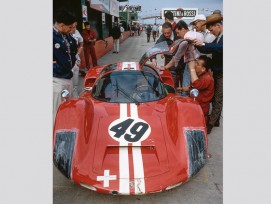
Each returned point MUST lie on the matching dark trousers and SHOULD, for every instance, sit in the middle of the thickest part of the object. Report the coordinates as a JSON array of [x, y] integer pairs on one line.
[[148, 37], [217, 102], [154, 35], [90, 50]]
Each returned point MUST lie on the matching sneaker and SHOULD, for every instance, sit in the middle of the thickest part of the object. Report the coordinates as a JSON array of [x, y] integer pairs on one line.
[[114, 52], [217, 124], [82, 72]]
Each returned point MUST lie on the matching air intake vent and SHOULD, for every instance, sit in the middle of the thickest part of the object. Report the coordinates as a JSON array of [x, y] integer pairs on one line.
[[63, 152], [196, 144]]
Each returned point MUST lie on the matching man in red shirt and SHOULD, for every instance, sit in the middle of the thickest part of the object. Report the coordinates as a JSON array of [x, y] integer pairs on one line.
[[89, 37], [202, 80]]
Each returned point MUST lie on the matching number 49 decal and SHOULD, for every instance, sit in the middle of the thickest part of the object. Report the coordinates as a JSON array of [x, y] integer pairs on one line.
[[129, 130]]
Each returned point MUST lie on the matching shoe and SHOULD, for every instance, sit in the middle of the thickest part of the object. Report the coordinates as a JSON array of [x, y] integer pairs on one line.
[[217, 124], [83, 73], [209, 128], [117, 52], [209, 156], [114, 52]]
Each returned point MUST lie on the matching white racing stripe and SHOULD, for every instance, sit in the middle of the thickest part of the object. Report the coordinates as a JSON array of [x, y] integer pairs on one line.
[[137, 158], [123, 159]]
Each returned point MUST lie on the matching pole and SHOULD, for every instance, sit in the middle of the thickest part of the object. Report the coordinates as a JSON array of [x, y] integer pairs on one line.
[[128, 14]]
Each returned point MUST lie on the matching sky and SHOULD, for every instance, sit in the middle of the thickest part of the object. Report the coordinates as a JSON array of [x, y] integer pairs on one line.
[[148, 6]]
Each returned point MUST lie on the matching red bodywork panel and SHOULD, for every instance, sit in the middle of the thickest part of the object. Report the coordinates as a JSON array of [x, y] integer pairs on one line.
[[129, 149]]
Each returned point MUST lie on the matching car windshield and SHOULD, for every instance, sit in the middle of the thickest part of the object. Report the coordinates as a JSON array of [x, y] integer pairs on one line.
[[128, 87], [161, 47]]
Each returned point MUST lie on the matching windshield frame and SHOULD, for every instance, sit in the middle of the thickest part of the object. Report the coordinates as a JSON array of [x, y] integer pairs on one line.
[[159, 92]]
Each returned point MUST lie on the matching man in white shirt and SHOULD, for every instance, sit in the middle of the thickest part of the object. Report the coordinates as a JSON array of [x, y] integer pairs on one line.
[[198, 22], [154, 31], [79, 40]]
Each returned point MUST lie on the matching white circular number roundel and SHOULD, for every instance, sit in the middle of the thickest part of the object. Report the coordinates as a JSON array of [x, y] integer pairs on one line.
[[129, 130]]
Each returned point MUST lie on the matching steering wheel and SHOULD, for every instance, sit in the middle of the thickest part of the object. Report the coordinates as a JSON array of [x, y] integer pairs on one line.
[[138, 94]]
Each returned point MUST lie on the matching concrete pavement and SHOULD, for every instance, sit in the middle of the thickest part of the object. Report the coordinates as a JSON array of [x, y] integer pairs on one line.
[[205, 188]]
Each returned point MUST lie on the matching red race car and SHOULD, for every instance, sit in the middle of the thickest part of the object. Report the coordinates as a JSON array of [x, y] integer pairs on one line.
[[129, 133]]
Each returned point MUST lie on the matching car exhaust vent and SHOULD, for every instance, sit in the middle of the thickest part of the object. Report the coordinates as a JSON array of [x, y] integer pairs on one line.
[[196, 144], [63, 152]]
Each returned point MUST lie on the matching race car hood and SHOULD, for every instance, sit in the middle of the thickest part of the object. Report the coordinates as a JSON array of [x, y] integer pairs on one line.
[[130, 140]]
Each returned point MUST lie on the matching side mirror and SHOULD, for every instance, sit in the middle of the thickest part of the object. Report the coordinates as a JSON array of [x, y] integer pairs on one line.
[[194, 93], [65, 94]]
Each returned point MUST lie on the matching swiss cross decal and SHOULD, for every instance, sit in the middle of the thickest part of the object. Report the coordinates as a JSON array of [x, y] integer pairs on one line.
[[129, 130]]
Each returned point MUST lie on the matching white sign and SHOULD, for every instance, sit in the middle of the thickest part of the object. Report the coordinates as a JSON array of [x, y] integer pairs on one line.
[[181, 13], [84, 11], [103, 18], [114, 8], [100, 5]]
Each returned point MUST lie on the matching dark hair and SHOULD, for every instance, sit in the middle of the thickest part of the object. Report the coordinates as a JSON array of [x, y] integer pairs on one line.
[[181, 24], [166, 25], [65, 17], [206, 61], [208, 25], [86, 24], [169, 15]]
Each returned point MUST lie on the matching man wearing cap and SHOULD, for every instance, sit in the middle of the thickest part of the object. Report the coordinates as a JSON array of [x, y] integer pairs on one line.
[[198, 22], [215, 26], [64, 51]]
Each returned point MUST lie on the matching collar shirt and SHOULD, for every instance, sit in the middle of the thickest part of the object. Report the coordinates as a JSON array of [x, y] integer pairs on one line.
[[205, 85], [78, 37], [208, 37], [172, 36], [154, 28], [188, 51], [218, 38], [88, 35]]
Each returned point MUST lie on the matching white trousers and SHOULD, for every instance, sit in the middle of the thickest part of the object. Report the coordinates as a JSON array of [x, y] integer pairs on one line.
[[75, 80], [58, 86], [75, 77], [116, 45]]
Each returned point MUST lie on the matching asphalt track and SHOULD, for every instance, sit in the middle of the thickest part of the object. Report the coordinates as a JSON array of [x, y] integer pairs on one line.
[[205, 188]]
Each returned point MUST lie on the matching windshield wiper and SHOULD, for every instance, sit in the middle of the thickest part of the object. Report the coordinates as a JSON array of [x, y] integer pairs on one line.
[[156, 92], [126, 94]]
